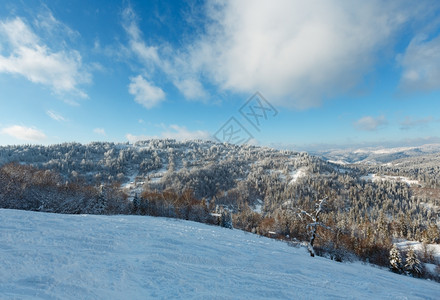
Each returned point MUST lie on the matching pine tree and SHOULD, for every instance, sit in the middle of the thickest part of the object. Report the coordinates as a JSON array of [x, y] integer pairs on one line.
[[395, 260], [100, 207], [413, 265], [403, 226], [136, 204]]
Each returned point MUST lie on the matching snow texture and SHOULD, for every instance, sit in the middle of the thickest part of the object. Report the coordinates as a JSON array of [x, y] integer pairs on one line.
[[375, 177], [51, 256], [405, 245], [295, 175], [258, 207]]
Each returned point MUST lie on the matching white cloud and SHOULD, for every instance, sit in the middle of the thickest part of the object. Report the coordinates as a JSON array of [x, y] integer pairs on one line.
[[55, 116], [182, 133], [136, 138], [144, 92], [172, 64], [176, 132], [24, 133], [191, 88], [29, 57], [421, 64], [99, 131], [409, 122], [51, 28], [297, 53], [369, 123], [148, 54]]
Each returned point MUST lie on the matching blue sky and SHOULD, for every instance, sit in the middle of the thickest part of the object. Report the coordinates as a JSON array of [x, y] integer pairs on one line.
[[337, 73]]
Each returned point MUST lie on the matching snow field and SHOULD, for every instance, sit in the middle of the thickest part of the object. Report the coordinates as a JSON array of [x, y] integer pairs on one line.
[[51, 256]]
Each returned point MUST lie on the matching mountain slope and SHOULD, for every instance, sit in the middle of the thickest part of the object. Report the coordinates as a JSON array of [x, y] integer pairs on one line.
[[83, 256], [376, 155]]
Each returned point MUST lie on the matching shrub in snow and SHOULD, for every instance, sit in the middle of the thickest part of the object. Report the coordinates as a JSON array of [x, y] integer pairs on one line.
[[226, 219]]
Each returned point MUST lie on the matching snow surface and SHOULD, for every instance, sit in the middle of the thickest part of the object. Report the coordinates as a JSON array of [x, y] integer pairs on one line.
[[418, 247], [295, 175], [374, 155], [338, 162], [258, 207], [50, 256], [131, 183], [375, 177], [132, 186]]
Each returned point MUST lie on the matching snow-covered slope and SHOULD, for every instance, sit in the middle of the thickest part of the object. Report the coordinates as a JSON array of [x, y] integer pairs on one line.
[[375, 155], [52, 256]]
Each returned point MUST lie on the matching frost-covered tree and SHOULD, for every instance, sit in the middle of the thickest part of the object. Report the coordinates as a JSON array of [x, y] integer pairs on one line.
[[100, 206], [413, 265], [313, 226], [395, 260]]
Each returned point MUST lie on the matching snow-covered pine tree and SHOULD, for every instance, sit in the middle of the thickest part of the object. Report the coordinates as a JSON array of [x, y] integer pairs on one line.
[[136, 204], [100, 207], [413, 265], [395, 260]]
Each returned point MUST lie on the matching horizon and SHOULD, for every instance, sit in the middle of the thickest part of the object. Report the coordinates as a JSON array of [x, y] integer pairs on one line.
[[292, 75], [316, 149]]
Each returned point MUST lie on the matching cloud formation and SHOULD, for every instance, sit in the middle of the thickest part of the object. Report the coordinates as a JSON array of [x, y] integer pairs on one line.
[[24, 133], [409, 122], [100, 131], [144, 92], [191, 88], [421, 64], [55, 116], [369, 123], [25, 54], [180, 133], [169, 62], [298, 53], [147, 54]]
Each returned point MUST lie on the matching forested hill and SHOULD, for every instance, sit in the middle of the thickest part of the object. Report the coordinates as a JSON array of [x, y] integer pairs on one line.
[[264, 189], [108, 162]]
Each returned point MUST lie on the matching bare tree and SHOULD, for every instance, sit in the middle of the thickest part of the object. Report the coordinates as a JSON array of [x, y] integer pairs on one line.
[[313, 226]]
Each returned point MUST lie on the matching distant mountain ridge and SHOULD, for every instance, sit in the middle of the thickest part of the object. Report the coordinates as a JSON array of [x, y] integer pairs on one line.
[[375, 155]]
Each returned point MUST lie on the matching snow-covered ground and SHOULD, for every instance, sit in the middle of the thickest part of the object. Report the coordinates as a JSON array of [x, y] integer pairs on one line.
[[434, 249], [258, 207], [295, 175], [132, 186], [338, 162], [50, 256], [375, 177], [374, 155]]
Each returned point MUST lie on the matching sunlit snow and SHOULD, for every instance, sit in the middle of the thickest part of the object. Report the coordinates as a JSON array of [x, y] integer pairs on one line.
[[51, 256]]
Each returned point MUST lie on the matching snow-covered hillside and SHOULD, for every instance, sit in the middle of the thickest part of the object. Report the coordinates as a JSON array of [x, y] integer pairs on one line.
[[375, 155], [375, 177], [53, 256]]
